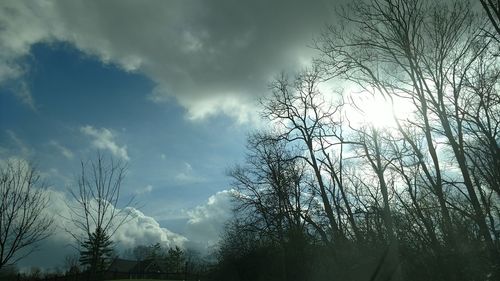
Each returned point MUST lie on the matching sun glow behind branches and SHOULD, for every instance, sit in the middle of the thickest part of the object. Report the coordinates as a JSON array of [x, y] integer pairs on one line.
[[381, 112]]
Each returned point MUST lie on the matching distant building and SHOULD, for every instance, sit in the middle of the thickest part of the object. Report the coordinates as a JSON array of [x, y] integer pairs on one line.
[[121, 265]]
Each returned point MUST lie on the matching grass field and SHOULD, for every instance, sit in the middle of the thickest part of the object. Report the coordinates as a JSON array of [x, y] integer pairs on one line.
[[142, 280]]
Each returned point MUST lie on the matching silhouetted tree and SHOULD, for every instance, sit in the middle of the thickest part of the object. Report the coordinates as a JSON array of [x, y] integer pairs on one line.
[[71, 264], [142, 252], [415, 201], [175, 259], [492, 9], [23, 221], [97, 215], [428, 53], [307, 120], [97, 251], [271, 192], [9, 272], [274, 201]]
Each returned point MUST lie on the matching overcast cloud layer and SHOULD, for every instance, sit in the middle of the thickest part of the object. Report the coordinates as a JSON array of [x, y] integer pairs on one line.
[[211, 56]]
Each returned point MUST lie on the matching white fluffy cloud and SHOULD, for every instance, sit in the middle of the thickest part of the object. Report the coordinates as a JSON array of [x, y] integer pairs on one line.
[[104, 139], [140, 229], [212, 57], [206, 222], [204, 225], [145, 230]]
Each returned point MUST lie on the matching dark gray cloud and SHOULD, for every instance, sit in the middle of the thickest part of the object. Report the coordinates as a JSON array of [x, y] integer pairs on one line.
[[211, 56]]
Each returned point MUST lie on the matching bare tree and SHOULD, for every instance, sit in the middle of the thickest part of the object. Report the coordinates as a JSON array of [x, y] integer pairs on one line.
[[271, 192], [97, 214], [419, 200], [429, 53], [311, 122], [71, 264], [23, 221], [481, 118], [492, 9], [274, 199]]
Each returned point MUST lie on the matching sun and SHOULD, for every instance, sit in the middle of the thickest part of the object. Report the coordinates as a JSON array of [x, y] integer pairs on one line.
[[376, 110]]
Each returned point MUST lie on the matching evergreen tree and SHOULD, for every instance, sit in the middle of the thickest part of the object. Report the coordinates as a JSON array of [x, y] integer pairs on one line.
[[96, 251], [175, 259]]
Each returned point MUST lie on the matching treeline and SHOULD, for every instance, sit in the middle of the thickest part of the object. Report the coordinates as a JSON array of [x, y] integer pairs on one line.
[[92, 219], [321, 197], [172, 261]]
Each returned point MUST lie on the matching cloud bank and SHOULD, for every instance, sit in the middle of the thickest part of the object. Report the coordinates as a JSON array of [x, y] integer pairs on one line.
[[140, 229], [202, 231], [207, 222]]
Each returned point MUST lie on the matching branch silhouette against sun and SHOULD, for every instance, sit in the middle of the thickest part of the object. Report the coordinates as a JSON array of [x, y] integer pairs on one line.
[[406, 159]]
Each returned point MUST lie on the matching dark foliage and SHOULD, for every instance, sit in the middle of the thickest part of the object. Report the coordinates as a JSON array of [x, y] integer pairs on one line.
[[96, 251], [324, 198]]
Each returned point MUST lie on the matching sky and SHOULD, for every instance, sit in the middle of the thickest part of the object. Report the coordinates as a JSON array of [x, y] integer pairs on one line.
[[169, 87]]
